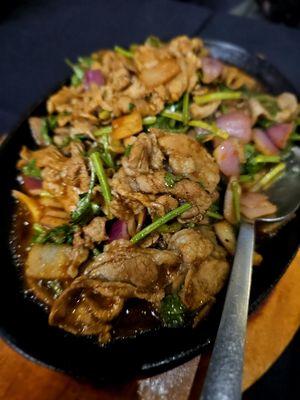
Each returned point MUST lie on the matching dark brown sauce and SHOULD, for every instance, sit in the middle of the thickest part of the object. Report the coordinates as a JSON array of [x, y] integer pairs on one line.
[[137, 315], [20, 235]]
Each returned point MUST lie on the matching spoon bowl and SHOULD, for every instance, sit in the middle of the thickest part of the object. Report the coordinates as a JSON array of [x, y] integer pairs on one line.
[[285, 191]]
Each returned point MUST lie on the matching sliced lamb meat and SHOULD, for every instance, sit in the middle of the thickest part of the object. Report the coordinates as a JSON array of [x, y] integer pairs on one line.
[[192, 245], [84, 307], [189, 158], [96, 229], [75, 173], [144, 155], [193, 193], [203, 282], [90, 234], [163, 205], [123, 262], [143, 175], [205, 266], [49, 157], [63, 177], [87, 306]]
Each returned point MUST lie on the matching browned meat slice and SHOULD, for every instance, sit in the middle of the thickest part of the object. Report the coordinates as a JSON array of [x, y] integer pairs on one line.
[[153, 77], [163, 204], [52, 261], [194, 194], [88, 305], [184, 190], [63, 177], [189, 158], [50, 157], [122, 262], [192, 245], [160, 73], [144, 155], [152, 183], [92, 233], [203, 282], [83, 308], [127, 193], [75, 173], [96, 229], [206, 268], [142, 178], [120, 210]]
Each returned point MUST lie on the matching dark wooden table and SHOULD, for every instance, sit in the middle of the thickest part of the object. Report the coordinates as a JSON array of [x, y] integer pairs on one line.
[[270, 330]]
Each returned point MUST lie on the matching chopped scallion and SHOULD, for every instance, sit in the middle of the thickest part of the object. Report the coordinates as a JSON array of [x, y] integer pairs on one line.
[[153, 41], [236, 194], [265, 159], [159, 222], [101, 175], [45, 132], [104, 114], [214, 215], [270, 177], [185, 108], [177, 116], [103, 131], [127, 150], [171, 179], [123, 52], [31, 169], [210, 128], [245, 178], [216, 96], [84, 210], [295, 137], [150, 120]]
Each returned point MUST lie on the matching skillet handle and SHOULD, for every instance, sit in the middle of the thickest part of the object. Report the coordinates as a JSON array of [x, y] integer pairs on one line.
[[224, 375]]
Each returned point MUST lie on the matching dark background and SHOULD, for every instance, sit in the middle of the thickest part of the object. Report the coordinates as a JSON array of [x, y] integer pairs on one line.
[[37, 35]]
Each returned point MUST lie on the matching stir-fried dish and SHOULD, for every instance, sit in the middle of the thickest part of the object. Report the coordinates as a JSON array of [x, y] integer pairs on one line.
[[144, 166]]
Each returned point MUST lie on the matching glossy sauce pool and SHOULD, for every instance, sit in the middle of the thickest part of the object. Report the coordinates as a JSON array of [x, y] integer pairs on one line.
[[137, 315]]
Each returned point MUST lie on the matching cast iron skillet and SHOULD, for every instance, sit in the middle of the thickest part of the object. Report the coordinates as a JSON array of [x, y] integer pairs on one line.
[[24, 325]]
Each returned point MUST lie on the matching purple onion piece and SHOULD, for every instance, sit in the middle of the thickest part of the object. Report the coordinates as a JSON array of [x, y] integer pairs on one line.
[[31, 183], [93, 76], [118, 230]]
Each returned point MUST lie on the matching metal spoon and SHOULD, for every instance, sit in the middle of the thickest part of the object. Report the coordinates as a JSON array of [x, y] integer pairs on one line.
[[224, 375]]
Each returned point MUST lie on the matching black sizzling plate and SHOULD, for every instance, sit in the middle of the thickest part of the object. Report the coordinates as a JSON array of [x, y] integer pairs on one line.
[[24, 325]]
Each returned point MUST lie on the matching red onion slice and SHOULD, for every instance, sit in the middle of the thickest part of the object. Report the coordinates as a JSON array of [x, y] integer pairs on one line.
[[118, 230], [93, 76], [211, 69], [255, 205], [31, 183], [228, 158], [279, 134], [263, 143], [237, 124]]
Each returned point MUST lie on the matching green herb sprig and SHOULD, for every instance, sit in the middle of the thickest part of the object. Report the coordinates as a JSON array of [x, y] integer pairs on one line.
[[159, 222], [59, 235], [31, 169], [172, 311]]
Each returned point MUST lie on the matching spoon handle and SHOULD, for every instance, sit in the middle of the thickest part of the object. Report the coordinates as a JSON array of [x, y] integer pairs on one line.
[[224, 375]]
